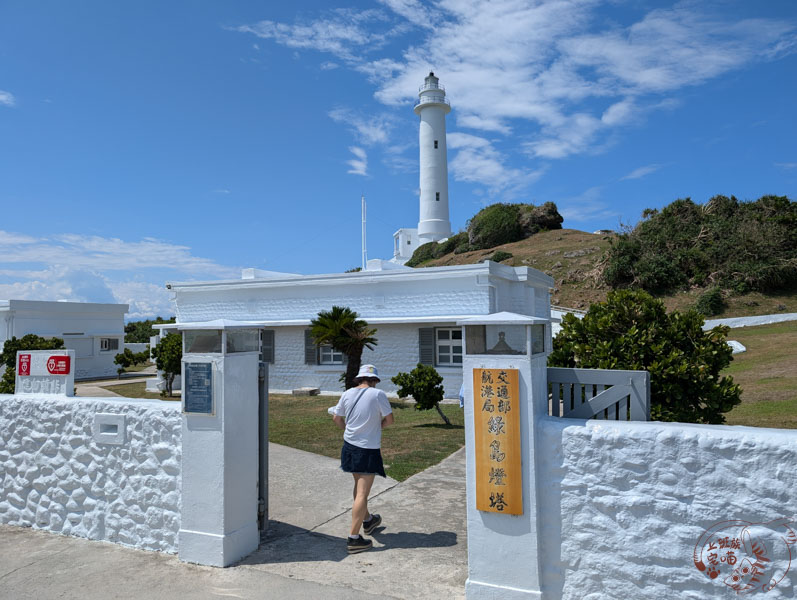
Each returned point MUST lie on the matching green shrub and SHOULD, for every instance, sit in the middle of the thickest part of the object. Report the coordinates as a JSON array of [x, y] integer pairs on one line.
[[710, 302], [632, 330], [422, 253], [424, 384], [739, 246], [501, 255], [432, 250], [495, 225]]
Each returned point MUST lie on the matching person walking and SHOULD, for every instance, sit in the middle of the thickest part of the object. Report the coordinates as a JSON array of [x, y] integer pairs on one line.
[[362, 412]]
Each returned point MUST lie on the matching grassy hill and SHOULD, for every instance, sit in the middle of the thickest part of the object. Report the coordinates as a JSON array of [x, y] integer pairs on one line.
[[575, 259]]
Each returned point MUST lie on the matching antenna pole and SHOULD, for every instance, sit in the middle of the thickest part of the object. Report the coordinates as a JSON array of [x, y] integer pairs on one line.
[[365, 252]]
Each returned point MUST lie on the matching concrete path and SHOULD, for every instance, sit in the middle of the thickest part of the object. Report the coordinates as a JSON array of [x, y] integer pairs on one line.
[[96, 389], [420, 550]]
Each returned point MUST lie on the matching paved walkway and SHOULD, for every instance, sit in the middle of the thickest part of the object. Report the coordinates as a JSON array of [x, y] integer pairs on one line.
[[420, 550], [96, 389]]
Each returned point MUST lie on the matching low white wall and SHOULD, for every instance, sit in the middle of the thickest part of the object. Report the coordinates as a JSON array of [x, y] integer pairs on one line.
[[55, 475], [624, 504]]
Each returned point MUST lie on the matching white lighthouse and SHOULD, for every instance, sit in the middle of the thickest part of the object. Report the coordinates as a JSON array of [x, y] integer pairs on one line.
[[432, 108], [433, 225]]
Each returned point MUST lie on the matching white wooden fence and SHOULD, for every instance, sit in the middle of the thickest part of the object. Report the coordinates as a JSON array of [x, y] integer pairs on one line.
[[599, 394]]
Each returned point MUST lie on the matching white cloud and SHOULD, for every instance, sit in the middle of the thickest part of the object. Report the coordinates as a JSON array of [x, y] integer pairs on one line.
[[551, 66], [329, 65], [641, 172], [144, 299], [7, 98], [787, 166], [97, 269], [477, 161], [359, 164], [586, 206], [414, 11], [345, 33], [104, 254], [368, 130]]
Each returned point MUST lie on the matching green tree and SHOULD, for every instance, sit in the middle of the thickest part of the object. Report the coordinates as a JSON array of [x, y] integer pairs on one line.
[[168, 354], [139, 332], [342, 329], [127, 358], [9, 356], [632, 330], [424, 384]]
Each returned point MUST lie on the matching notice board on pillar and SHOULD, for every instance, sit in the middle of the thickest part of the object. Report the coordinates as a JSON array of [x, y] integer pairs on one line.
[[198, 389], [496, 415]]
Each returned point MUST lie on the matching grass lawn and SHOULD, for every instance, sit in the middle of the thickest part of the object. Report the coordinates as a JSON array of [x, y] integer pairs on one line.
[[135, 390], [767, 373], [417, 440]]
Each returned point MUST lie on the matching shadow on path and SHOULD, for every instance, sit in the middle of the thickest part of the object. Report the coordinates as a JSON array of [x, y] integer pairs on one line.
[[286, 543]]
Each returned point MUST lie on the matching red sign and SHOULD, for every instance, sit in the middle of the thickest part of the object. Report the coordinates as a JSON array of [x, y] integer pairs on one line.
[[58, 365], [24, 365]]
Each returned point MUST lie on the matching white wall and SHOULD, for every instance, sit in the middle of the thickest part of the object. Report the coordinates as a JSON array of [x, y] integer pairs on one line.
[[396, 351], [623, 504], [55, 476]]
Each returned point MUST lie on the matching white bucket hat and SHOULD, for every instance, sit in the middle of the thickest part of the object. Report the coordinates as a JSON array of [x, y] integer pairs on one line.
[[368, 372]]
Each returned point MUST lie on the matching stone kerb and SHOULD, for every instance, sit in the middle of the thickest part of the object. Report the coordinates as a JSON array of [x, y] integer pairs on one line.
[[100, 468]]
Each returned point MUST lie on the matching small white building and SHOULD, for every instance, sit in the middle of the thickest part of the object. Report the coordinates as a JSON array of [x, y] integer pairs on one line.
[[415, 312], [94, 331]]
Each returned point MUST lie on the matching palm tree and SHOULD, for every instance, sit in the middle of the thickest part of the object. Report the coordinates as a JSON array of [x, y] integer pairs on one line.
[[342, 329]]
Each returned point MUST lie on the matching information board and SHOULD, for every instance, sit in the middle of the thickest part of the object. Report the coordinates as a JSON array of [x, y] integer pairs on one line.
[[198, 392], [496, 414]]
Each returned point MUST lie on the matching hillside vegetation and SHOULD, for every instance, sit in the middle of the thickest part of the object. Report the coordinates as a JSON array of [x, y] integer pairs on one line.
[[750, 276], [735, 246]]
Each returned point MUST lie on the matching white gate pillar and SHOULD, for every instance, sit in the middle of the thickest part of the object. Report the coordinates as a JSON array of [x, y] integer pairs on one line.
[[504, 368], [219, 486]]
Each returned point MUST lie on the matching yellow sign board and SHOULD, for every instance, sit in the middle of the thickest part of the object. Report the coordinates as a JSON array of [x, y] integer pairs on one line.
[[496, 415]]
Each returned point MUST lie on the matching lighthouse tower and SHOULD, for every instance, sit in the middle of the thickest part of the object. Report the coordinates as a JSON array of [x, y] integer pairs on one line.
[[433, 226], [432, 108]]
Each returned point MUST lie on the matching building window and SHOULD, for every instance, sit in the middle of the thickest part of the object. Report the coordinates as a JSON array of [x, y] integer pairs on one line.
[[329, 356], [435, 144], [409, 242], [437, 196], [108, 344], [267, 345], [448, 346]]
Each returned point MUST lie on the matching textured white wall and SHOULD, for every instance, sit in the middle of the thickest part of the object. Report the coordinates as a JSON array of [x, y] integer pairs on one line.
[[405, 299], [54, 476], [623, 505], [396, 351]]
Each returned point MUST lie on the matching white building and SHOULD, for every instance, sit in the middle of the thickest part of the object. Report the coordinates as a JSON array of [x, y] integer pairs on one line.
[[95, 331], [415, 312], [433, 225]]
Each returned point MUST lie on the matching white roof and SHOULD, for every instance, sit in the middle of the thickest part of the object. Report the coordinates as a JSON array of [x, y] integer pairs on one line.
[[503, 318]]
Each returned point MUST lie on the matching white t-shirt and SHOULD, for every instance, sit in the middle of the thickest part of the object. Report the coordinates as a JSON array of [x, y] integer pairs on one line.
[[364, 422]]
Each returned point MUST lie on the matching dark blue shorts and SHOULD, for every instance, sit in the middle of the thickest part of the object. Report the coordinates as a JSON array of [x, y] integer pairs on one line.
[[367, 461]]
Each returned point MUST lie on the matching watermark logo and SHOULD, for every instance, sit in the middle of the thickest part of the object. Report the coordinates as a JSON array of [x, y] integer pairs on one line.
[[747, 557]]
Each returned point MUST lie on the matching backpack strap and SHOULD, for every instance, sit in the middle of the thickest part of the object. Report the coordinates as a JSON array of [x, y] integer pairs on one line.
[[356, 400]]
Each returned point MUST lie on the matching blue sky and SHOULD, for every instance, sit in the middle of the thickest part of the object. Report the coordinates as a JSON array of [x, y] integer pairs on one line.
[[165, 141]]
